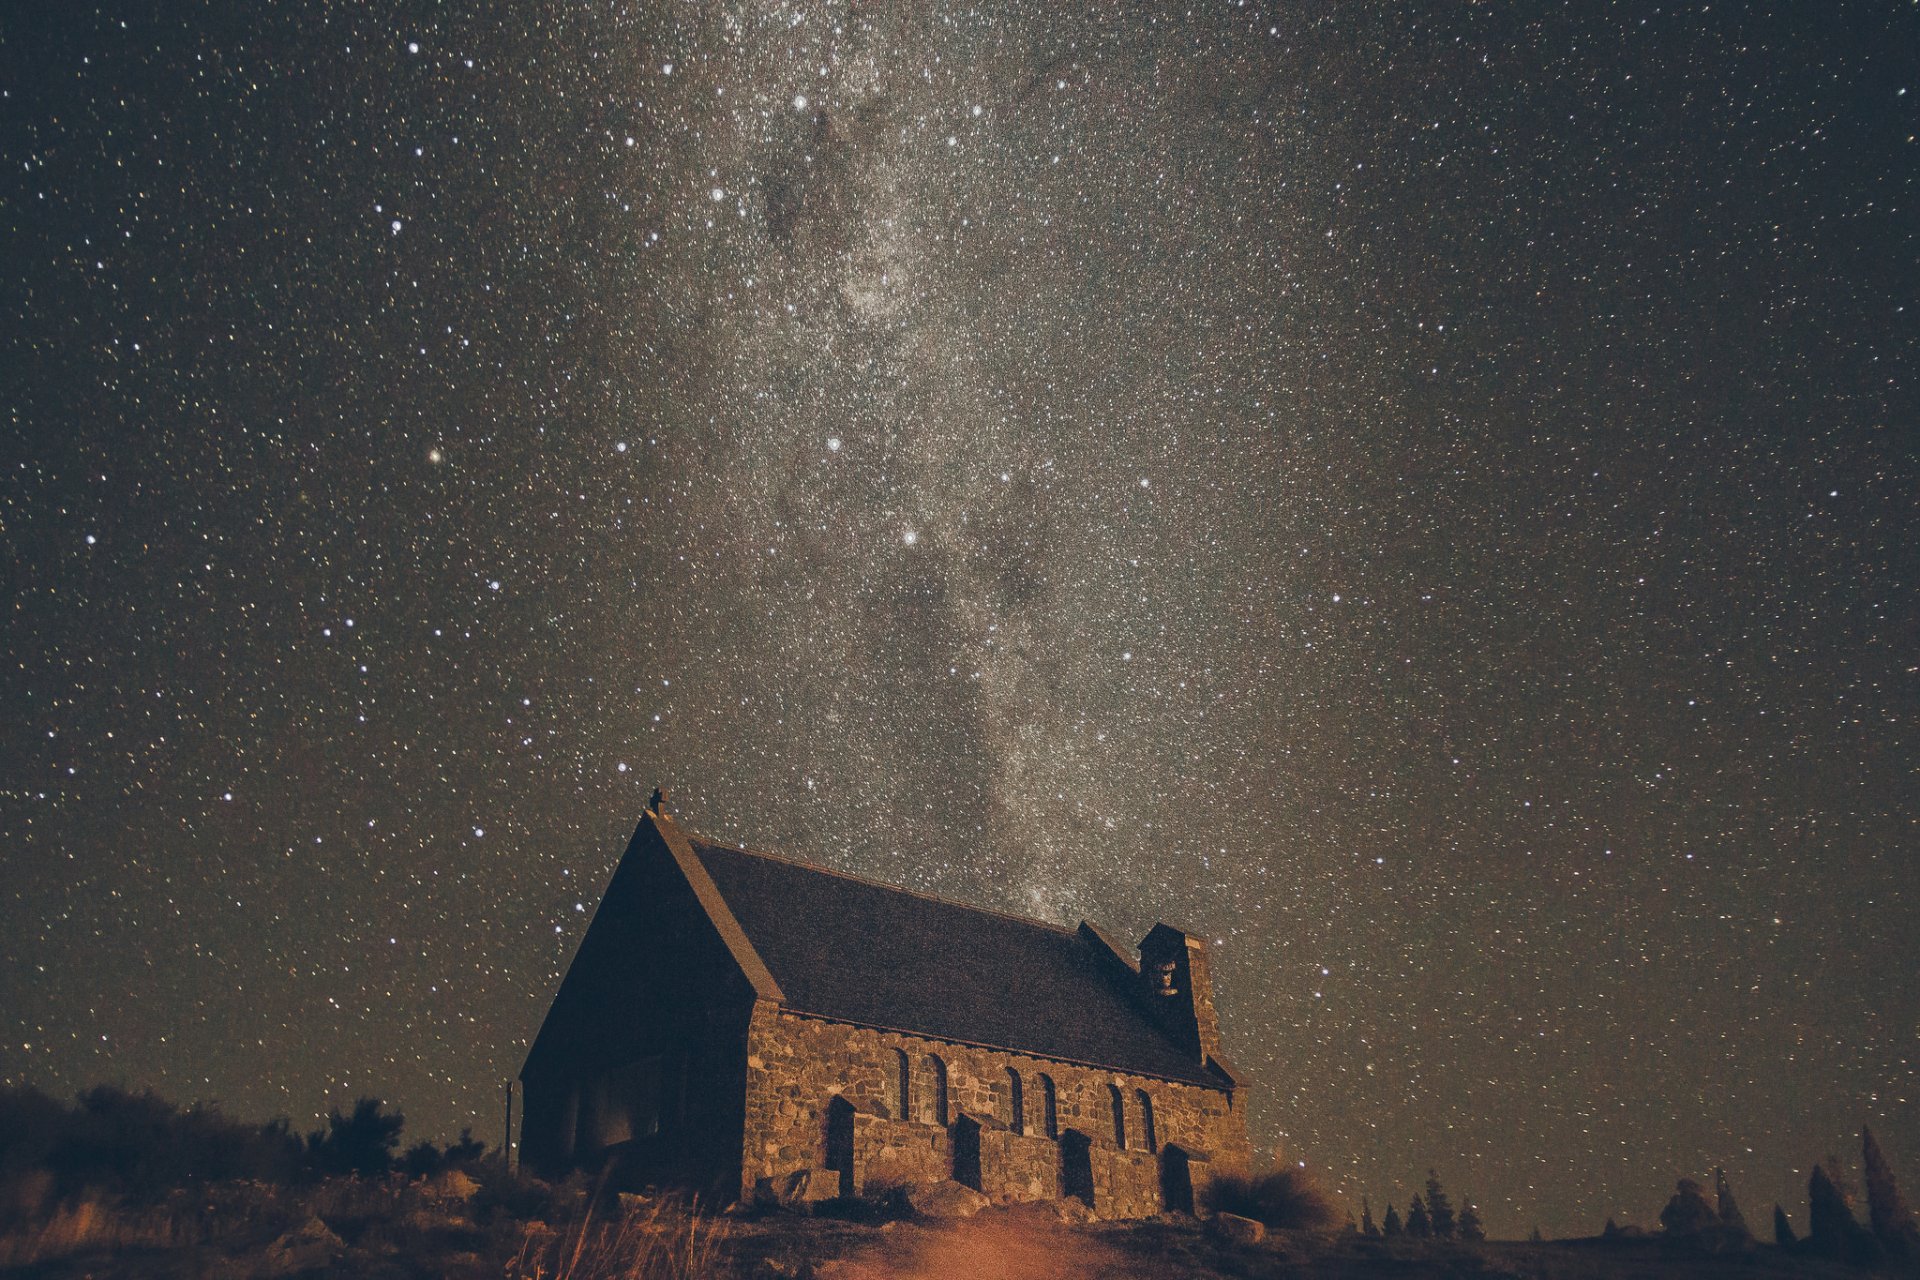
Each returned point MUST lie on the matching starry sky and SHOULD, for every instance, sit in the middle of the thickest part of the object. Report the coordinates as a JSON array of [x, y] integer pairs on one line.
[[1423, 495]]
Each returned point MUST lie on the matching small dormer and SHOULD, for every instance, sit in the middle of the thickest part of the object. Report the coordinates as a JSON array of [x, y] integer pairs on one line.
[[1179, 989]]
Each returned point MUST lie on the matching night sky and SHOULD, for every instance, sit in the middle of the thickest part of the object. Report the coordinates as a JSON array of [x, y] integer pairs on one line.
[[1423, 495]]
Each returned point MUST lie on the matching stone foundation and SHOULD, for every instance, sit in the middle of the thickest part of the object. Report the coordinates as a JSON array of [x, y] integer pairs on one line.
[[822, 1095]]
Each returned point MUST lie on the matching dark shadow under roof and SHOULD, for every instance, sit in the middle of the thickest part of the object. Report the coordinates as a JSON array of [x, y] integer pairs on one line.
[[857, 951]]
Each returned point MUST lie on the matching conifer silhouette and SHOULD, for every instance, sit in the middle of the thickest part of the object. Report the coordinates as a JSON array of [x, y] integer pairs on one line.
[[1832, 1230], [1439, 1208], [1887, 1212], [1367, 1228], [1783, 1231], [1470, 1228], [1731, 1219], [1419, 1225], [1390, 1225]]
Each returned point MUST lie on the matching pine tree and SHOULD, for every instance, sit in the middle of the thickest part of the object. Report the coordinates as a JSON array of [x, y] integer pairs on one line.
[[1390, 1225], [1536, 1237], [1439, 1208], [1828, 1217], [1730, 1217], [1832, 1230], [1470, 1228], [1419, 1226], [1783, 1231], [1367, 1228], [1887, 1211]]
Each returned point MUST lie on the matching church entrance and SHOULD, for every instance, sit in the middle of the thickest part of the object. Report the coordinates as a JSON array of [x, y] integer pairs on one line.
[[966, 1152], [840, 1142], [1176, 1180], [1076, 1166]]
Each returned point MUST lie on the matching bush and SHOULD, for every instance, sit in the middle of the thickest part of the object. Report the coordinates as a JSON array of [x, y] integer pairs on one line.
[[132, 1145], [1288, 1198], [359, 1142]]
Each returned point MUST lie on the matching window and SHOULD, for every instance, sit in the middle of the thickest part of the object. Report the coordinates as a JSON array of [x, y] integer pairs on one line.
[[900, 1086], [937, 1075], [1049, 1108], [1016, 1102], [1148, 1138], [1119, 1102]]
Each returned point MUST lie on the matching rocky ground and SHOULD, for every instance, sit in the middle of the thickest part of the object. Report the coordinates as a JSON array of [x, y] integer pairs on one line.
[[452, 1227], [994, 1244]]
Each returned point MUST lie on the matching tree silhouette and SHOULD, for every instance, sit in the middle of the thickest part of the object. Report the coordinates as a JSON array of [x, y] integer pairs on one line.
[[1419, 1225], [1832, 1230], [1367, 1228], [1887, 1211], [360, 1143], [1731, 1219], [1390, 1225], [1439, 1208], [422, 1160], [468, 1150], [1783, 1231], [1470, 1228], [1688, 1213]]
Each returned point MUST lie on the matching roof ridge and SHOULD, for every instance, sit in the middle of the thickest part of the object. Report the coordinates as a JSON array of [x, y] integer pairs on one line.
[[699, 839]]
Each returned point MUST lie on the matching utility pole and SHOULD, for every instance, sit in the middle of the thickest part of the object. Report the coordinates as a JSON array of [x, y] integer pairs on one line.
[[506, 1146]]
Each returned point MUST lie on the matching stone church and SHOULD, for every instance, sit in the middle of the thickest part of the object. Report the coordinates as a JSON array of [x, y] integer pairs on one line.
[[748, 1025]]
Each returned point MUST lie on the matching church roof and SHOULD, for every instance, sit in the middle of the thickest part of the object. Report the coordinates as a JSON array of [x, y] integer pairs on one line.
[[858, 951]]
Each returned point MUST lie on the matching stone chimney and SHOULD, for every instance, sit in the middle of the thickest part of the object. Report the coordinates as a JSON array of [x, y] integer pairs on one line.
[[1179, 989]]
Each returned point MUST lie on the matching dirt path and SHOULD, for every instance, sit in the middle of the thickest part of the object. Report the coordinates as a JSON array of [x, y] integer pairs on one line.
[[997, 1246]]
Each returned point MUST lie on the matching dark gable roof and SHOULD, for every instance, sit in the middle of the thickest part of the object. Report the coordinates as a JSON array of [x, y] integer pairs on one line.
[[857, 951]]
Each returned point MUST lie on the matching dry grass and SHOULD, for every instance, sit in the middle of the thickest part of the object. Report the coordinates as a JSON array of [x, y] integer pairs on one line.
[[1289, 1198], [91, 1225], [234, 1217], [663, 1240]]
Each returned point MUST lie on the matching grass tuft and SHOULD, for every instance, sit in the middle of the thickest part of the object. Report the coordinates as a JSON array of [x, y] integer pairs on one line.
[[1287, 1199]]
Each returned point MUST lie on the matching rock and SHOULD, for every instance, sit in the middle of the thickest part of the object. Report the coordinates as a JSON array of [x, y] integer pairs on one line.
[[308, 1247], [1234, 1229], [799, 1188], [947, 1199], [821, 1184], [1073, 1211]]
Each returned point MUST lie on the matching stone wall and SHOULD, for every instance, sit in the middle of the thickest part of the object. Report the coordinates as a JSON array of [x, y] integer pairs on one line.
[[798, 1065]]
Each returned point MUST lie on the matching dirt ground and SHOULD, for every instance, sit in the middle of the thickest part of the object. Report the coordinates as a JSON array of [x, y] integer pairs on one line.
[[1028, 1245]]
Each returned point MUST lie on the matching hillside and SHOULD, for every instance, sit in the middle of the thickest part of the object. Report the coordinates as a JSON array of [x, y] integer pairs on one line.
[[457, 1228]]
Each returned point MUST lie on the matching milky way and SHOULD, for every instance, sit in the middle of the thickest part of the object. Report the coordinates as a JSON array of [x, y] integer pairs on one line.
[[1425, 499]]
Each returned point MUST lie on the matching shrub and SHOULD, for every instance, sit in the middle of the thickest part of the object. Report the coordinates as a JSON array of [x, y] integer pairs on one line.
[[360, 1142], [132, 1145], [1288, 1198], [1688, 1213]]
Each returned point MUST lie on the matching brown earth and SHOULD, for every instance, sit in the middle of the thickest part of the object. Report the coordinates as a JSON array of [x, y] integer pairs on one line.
[[646, 1243]]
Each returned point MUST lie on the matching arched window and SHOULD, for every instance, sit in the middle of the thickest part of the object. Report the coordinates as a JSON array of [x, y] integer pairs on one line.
[[1119, 1102], [900, 1087], [1148, 1138], [1016, 1102], [937, 1079], [1049, 1107]]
